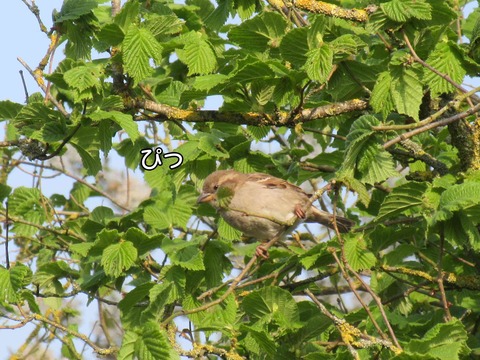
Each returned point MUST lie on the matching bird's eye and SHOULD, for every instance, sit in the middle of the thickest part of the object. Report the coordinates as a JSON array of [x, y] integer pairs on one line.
[[215, 187]]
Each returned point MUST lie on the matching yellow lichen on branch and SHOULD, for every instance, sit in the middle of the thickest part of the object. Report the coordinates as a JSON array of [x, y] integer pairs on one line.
[[320, 7], [162, 112]]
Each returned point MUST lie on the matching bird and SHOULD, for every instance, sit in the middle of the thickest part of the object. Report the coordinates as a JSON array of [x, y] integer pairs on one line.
[[263, 206]]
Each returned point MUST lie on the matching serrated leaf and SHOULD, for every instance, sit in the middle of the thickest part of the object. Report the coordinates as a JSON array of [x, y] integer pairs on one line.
[[139, 46], [7, 291], [357, 254], [407, 91], [198, 55], [152, 343], [272, 304], [189, 258], [447, 59], [118, 258], [157, 218], [252, 71], [382, 98], [319, 63], [207, 82], [218, 17], [460, 196], [212, 146], [263, 340], [27, 203], [9, 109], [125, 121], [245, 8], [401, 199], [263, 31], [402, 10], [444, 341], [294, 46], [91, 161], [228, 232], [73, 9], [110, 35], [127, 350], [83, 77], [376, 165], [164, 24]]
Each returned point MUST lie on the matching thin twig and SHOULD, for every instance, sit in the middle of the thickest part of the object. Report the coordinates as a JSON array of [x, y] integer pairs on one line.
[[433, 125], [7, 220], [375, 297], [445, 305], [80, 180], [39, 79], [446, 77]]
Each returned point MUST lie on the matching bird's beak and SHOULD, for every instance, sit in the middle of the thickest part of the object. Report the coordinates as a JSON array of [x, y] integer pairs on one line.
[[205, 197]]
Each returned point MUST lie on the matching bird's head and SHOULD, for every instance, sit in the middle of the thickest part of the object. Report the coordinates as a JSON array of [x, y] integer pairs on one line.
[[219, 187]]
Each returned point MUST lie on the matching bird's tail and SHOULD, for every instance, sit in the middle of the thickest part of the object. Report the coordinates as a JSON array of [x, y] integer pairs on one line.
[[344, 225]]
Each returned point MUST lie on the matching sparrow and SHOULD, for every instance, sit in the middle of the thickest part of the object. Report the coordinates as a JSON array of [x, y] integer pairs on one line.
[[263, 206]]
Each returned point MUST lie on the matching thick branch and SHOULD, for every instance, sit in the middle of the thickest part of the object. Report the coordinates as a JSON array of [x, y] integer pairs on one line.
[[320, 7], [166, 112]]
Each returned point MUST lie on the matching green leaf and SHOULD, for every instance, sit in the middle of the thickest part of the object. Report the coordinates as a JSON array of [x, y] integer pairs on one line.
[[272, 304], [403, 10], [218, 17], [212, 146], [319, 63], [207, 82], [457, 197], [125, 121], [9, 110], [382, 97], [189, 258], [294, 46], [127, 350], [198, 55], [110, 35], [228, 232], [139, 46], [11, 281], [245, 8], [401, 199], [91, 161], [157, 218], [118, 258], [83, 77], [252, 71], [447, 59], [407, 91], [444, 341], [73, 9], [164, 25], [27, 203], [264, 341], [7, 293], [376, 165], [152, 343], [357, 254], [260, 33]]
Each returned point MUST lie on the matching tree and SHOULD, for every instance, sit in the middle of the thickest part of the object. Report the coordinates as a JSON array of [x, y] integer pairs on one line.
[[366, 95]]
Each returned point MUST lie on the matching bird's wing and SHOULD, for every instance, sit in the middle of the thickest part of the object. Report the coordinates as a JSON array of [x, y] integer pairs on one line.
[[266, 196]]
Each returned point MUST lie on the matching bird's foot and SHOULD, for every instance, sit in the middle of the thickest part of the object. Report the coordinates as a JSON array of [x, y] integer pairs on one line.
[[262, 252], [299, 212]]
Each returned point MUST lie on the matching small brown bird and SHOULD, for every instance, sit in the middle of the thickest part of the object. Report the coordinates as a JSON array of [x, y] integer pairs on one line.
[[261, 205]]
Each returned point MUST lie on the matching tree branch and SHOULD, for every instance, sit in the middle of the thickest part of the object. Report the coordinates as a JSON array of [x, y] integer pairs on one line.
[[433, 125], [321, 7], [169, 113]]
